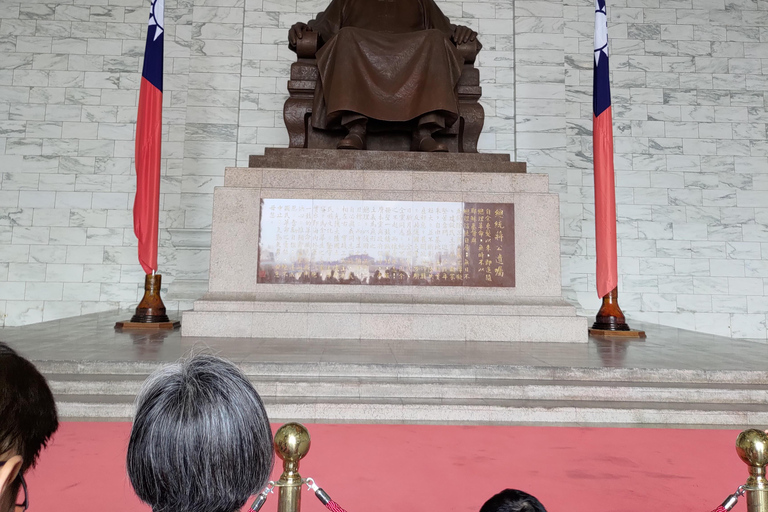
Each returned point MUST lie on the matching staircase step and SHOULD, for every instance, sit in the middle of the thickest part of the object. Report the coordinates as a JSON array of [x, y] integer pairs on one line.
[[452, 411], [405, 370], [355, 387], [391, 392]]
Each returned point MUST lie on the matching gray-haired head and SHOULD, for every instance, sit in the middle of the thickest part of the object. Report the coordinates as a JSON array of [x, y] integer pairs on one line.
[[201, 440]]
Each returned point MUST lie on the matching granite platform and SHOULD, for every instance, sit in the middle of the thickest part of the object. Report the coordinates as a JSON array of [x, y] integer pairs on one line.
[[282, 158], [239, 305]]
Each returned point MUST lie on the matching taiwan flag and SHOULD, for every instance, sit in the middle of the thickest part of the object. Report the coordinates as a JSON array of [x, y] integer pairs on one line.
[[149, 131], [602, 133]]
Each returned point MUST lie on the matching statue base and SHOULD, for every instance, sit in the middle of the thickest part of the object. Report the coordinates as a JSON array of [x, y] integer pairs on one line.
[[410, 266]]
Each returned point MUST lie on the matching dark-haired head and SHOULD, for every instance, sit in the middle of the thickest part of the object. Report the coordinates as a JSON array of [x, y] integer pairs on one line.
[[512, 500], [201, 440], [27, 421]]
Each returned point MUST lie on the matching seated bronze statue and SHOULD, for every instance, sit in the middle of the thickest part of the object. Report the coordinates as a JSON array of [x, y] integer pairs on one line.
[[395, 64]]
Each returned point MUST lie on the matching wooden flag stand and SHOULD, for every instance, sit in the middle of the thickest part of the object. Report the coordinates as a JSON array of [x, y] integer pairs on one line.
[[150, 313], [610, 320]]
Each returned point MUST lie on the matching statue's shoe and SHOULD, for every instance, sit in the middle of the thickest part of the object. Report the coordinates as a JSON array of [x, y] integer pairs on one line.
[[352, 141], [430, 145]]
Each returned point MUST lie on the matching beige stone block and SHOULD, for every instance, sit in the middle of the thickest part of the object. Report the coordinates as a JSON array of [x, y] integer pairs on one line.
[[489, 197], [493, 328], [213, 324], [286, 178], [332, 326], [234, 239], [437, 181], [438, 327], [485, 182], [374, 312], [338, 194], [559, 329], [437, 195], [401, 308], [537, 242], [343, 179], [287, 193], [386, 195], [242, 177], [388, 180], [280, 325], [397, 327]]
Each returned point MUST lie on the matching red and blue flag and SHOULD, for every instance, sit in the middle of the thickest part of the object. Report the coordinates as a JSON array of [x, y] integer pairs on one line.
[[149, 132], [602, 133]]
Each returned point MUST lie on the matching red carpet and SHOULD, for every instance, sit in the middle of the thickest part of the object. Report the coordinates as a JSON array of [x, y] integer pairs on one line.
[[395, 468]]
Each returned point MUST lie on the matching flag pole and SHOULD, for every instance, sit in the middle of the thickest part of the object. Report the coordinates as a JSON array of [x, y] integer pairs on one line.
[[151, 312], [610, 319]]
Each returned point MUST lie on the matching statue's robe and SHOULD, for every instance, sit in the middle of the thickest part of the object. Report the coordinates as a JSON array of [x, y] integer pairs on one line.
[[390, 60]]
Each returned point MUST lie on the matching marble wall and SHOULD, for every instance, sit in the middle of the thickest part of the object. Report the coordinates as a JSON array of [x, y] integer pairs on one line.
[[690, 91], [689, 87]]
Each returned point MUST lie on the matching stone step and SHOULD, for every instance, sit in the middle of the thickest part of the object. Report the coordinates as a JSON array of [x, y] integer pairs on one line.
[[296, 158], [414, 322], [390, 410], [479, 372], [279, 387]]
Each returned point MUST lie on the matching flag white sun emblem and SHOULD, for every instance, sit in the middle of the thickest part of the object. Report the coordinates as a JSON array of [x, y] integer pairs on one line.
[[601, 31], [156, 17]]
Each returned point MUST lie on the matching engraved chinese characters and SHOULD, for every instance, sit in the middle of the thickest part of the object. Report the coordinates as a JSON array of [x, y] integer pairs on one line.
[[308, 241], [489, 244]]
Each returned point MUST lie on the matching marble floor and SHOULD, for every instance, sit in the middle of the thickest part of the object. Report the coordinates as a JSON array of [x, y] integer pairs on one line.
[[93, 338]]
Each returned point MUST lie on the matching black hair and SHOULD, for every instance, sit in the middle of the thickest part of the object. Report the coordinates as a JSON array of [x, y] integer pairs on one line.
[[512, 500], [27, 410], [201, 440]]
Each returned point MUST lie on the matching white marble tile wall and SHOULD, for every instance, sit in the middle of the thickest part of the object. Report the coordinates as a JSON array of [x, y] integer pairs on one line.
[[689, 89], [690, 104], [69, 77]]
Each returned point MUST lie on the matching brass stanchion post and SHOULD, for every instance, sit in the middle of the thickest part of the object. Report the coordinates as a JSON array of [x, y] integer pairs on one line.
[[291, 445], [752, 447]]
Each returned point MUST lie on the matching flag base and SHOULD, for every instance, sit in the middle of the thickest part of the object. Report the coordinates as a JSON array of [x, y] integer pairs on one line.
[[150, 313], [617, 334], [147, 326], [610, 319]]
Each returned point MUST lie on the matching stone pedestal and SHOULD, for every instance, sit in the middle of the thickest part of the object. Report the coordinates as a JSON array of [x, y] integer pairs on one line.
[[237, 305]]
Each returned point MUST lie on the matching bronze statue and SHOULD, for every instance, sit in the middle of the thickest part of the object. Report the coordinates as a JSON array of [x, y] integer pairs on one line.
[[386, 60]]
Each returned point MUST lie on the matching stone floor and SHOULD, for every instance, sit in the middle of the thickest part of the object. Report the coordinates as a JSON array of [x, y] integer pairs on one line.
[[92, 338]]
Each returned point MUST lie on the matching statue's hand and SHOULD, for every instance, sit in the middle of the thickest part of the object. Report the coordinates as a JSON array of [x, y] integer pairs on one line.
[[296, 32], [463, 34]]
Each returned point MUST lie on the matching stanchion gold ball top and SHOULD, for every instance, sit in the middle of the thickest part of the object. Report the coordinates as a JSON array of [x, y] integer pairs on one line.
[[292, 441], [752, 447]]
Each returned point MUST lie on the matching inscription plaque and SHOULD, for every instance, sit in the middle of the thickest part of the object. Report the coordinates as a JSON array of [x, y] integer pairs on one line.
[[417, 243]]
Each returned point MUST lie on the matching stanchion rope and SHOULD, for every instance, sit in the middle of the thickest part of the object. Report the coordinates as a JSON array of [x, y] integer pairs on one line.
[[261, 499], [731, 500], [323, 496]]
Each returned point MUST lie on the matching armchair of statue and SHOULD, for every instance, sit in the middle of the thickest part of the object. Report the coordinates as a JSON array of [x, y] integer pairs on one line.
[[461, 137]]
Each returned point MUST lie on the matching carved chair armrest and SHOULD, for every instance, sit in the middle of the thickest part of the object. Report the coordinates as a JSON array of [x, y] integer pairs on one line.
[[306, 47], [469, 51]]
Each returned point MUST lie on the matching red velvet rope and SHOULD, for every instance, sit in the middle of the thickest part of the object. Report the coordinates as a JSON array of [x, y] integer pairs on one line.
[[335, 507], [720, 509]]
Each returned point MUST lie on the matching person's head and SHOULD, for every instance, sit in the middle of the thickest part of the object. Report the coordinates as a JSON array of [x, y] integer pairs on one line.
[[512, 500], [27, 421], [201, 440]]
